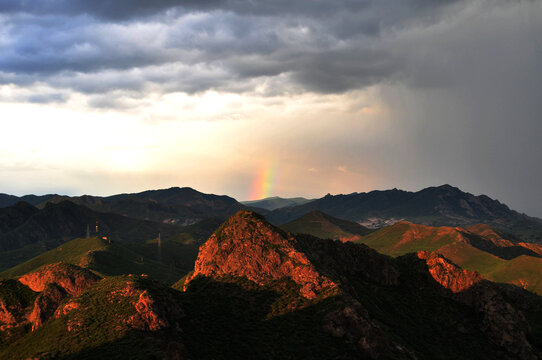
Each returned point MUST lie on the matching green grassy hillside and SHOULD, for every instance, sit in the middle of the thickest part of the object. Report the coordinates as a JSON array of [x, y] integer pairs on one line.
[[71, 252], [404, 237], [324, 226], [462, 248], [117, 258]]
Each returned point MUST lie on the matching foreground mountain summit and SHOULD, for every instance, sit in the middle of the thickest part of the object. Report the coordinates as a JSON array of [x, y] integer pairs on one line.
[[259, 292]]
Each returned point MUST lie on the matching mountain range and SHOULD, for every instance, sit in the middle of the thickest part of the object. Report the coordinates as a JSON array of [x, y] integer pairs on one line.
[[177, 274], [179, 206], [258, 292], [435, 206]]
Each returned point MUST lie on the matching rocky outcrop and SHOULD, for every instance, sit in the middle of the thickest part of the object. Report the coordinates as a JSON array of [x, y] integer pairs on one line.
[[15, 302], [505, 325], [448, 274], [46, 304], [368, 337], [36, 296], [153, 315], [247, 246], [7, 316], [70, 278]]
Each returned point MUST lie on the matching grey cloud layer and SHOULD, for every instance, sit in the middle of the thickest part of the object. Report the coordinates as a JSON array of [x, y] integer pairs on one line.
[[191, 46], [388, 10]]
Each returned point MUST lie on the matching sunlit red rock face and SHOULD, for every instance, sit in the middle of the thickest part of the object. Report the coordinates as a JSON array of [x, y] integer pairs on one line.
[[247, 246], [70, 278], [448, 274], [36, 296], [54, 283]]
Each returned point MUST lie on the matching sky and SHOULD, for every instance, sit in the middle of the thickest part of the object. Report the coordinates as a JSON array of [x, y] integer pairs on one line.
[[261, 98]]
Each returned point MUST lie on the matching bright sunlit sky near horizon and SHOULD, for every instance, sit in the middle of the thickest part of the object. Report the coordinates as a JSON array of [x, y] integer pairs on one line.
[[261, 98]]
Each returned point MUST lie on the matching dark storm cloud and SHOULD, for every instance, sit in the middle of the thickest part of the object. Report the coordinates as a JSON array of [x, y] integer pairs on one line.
[[389, 10], [107, 9], [191, 46]]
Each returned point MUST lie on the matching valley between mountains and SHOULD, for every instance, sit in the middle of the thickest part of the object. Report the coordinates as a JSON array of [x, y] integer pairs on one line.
[[178, 274]]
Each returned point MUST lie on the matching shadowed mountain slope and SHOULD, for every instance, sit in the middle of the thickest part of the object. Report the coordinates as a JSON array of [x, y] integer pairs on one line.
[[13, 216], [10, 200], [165, 260], [321, 225], [37, 231], [111, 259], [437, 206]]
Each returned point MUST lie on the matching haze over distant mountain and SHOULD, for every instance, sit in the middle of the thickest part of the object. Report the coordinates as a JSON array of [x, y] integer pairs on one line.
[[275, 202], [437, 206]]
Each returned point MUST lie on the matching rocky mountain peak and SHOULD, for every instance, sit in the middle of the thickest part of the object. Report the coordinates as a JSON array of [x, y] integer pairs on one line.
[[248, 246]]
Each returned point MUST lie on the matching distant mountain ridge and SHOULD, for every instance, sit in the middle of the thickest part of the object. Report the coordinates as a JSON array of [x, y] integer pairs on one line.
[[181, 206], [436, 206], [9, 200], [275, 202]]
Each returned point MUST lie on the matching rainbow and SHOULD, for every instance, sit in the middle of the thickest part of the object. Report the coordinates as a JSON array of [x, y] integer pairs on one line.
[[262, 186]]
